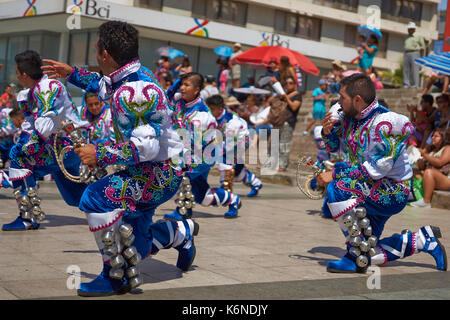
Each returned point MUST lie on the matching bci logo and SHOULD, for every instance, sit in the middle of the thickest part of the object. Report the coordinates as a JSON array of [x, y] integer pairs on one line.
[[273, 40], [93, 9]]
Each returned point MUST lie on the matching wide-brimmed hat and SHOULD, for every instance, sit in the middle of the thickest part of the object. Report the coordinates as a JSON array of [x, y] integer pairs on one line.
[[339, 64], [237, 44], [231, 101]]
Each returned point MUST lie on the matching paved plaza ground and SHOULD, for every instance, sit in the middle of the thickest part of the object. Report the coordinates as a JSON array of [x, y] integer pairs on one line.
[[277, 248]]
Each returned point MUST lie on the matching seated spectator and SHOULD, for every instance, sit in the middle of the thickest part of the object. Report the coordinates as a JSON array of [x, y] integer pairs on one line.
[[335, 76], [272, 70], [435, 166], [7, 99], [440, 82], [423, 120], [442, 119], [165, 79], [209, 87], [260, 120], [184, 67]]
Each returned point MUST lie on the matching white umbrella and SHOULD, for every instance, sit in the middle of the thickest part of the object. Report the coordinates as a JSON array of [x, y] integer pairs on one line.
[[252, 90]]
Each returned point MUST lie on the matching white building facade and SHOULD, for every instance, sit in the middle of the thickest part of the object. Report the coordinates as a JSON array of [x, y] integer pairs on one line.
[[323, 30]]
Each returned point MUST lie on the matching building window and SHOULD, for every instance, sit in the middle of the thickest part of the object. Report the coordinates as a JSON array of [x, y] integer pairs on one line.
[[221, 10], [150, 4], [401, 10], [351, 39], [45, 43], [82, 49], [348, 5], [297, 25]]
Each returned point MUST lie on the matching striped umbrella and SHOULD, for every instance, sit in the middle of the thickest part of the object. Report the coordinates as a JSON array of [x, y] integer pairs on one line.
[[438, 62]]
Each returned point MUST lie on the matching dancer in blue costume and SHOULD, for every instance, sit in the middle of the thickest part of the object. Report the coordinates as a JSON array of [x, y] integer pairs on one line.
[[196, 122], [98, 114], [45, 105], [7, 131], [373, 182], [120, 207], [233, 126]]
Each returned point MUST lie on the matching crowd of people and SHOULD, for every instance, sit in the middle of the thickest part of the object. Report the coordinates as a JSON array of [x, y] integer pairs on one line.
[[144, 126]]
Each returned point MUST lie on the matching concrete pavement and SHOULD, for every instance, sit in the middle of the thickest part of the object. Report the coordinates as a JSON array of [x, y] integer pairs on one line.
[[276, 249]]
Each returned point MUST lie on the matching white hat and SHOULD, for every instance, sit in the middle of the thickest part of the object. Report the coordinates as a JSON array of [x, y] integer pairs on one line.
[[412, 25]]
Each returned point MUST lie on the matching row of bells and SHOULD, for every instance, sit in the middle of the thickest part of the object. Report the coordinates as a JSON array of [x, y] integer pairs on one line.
[[185, 197], [120, 267], [30, 205], [228, 180], [362, 241]]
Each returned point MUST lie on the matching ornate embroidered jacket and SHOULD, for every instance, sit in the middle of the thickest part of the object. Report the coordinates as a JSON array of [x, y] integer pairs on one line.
[[100, 126], [374, 146], [142, 118]]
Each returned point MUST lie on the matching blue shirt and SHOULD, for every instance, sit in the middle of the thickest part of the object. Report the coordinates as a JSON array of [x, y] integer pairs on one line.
[[320, 103]]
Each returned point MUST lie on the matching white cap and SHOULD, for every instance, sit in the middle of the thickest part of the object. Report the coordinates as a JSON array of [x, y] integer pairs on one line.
[[412, 25]]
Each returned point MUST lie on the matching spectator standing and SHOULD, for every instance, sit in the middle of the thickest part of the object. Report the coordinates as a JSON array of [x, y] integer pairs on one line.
[[436, 161], [414, 47], [272, 70], [286, 71], [235, 68], [370, 50], [224, 77], [439, 81], [293, 99], [320, 96]]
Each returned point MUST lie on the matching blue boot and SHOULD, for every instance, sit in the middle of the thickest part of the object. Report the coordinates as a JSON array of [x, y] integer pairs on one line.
[[434, 247], [233, 208], [254, 191], [103, 285], [177, 216], [186, 250], [20, 225], [345, 265]]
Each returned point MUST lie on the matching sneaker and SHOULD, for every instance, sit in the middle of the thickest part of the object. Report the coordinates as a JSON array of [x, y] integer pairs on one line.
[[186, 250], [305, 133], [420, 203], [233, 208], [20, 225], [103, 285], [433, 246]]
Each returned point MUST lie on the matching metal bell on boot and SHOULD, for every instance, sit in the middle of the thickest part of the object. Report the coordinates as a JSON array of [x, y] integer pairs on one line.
[[36, 201], [111, 250], [17, 194], [360, 212], [372, 241], [180, 203], [355, 242], [368, 231], [128, 253], [31, 192], [117, 261], [185, 181], [187, 187], [355, 251], [134, 260], [128, 241], [181, 195], [182, 210], [364, 246], [188, 204], [108, 238], [40, 217], [364, 223], [406, 231], [125, 230], [354, 230], [36, 210], [116, 273], [373, 252], [136, 281], [362, 261], [25, 200], [26, 215], [348, 220], [132, 272]]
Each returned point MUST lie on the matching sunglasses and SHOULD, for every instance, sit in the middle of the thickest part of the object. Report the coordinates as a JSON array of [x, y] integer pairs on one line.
[[290, 82]]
